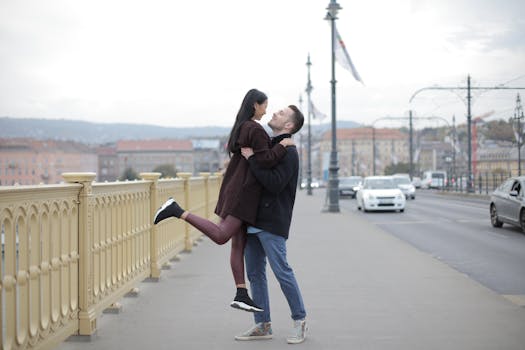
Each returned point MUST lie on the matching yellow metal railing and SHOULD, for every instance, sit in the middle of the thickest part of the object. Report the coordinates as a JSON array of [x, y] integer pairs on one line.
[[70, 251]]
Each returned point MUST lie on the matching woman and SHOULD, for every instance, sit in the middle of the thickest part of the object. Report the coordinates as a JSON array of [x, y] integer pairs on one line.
[[240, 191]]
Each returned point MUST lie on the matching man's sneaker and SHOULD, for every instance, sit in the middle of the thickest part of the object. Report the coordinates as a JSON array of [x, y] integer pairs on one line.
[[243, 301], [298, 332], [260, 331], [169, 209]]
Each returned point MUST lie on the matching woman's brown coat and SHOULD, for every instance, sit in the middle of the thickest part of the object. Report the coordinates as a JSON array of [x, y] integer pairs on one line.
[[240, 191]]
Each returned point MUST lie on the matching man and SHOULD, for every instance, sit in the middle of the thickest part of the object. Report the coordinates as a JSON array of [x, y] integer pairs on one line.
[[267, 237]]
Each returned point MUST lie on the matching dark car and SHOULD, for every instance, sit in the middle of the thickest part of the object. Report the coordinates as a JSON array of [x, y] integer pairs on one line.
[[348, 186], [507, 205]]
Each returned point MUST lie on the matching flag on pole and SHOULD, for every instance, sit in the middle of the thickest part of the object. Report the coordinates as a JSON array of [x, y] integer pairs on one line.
[[517, 136], [316, 114], [343, 57]]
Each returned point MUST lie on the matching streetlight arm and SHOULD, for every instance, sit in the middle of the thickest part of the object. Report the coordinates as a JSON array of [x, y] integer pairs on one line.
[[463, 88], [433, 88]]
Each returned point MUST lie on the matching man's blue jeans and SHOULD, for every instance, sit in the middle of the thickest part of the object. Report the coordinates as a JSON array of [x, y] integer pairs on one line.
[[260, 246]]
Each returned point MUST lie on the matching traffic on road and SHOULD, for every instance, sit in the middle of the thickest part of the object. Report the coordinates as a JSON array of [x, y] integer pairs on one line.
[[458, 231]]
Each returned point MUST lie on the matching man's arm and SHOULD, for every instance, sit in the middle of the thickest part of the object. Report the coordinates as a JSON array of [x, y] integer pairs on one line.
[[276, 178]]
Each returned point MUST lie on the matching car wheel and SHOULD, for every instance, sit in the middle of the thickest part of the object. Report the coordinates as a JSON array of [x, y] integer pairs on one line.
[[522, 220], [413, 197], [494, 217], [401, 210]]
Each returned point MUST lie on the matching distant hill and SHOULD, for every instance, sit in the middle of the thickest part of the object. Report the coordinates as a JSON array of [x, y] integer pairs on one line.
[[99, 133]]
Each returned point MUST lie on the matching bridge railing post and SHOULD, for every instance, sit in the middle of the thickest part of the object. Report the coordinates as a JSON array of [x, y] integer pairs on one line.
[[154, 259], [87, 321]]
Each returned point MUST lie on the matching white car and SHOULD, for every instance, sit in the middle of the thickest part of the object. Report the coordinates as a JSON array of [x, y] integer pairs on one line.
[[380, 193], [314, 183], [406, 186], [416, 181]]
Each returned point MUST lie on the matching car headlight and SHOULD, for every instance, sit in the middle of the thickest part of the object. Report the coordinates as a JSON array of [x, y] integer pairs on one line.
[[371, 197], [399, 196]]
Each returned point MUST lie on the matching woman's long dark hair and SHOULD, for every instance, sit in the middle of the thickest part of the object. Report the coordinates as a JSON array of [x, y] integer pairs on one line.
[[245, 113]]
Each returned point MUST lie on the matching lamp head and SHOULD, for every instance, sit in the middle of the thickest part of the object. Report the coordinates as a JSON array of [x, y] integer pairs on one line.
[[332, 8]]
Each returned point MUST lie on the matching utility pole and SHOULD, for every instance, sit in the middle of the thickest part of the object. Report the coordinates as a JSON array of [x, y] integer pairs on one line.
[[353, 158], [411, 146], [373, 150], [454, 139], [470, 187], [309, 148]]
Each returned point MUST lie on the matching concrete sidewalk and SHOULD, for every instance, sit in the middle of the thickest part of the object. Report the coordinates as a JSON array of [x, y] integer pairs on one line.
[[363, 289]]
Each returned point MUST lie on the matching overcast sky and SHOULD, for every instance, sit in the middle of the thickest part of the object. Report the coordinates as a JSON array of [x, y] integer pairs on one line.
[[189, 63]]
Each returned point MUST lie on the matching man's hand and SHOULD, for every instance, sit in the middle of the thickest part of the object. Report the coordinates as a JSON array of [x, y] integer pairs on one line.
[[247, 152], [287, 142]]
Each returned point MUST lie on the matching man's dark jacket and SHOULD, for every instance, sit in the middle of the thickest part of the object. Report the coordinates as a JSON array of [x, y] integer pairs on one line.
[[278, 195]]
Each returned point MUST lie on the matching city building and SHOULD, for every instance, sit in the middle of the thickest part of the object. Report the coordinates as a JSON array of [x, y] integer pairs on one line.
[[208, 156], [436, 155], [355, 150], [107, 163], [26, 161], [146, 155], [498, 157]]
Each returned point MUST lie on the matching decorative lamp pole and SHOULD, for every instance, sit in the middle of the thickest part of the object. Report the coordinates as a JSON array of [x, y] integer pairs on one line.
[[309, 149], [301, 163], [333, 181]]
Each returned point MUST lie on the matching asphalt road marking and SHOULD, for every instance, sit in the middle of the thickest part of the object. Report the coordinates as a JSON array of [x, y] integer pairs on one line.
[[463, 221], [515, 299], [466, 221], [404, 222]]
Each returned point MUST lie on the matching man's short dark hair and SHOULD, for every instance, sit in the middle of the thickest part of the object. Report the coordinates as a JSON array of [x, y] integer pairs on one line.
[[297, 119]]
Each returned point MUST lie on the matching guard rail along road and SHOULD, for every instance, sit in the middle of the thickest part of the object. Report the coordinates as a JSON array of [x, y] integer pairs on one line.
[[72, 250]]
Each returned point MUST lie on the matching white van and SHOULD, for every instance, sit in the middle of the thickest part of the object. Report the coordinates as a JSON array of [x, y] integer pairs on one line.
[[434, 179]]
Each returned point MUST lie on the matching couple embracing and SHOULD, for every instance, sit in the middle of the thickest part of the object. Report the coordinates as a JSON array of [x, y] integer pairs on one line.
[[255, 205]]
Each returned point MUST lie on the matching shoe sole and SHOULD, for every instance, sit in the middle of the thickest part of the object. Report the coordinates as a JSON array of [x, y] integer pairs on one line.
[[295, 341], [164, 206], [245, 307], [255, 337]]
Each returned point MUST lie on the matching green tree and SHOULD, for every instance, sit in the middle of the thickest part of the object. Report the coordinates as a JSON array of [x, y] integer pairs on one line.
[[166, 170], [129, 174], [500, 130], [399, 168]]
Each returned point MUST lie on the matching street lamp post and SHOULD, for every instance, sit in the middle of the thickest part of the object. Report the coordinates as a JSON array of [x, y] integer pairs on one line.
[[454, 146], [410, 146], [309, 149], [301, 167], [333, 181], [518, 116], [373, 150]]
